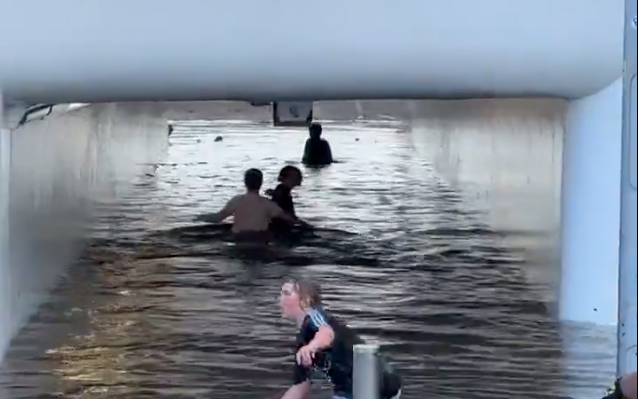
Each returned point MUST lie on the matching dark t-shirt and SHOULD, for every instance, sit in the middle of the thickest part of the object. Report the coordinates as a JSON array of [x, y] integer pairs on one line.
[[317, 152], [336, 362], [282, 197]]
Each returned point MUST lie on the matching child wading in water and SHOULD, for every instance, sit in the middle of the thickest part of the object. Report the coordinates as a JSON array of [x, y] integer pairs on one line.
[[289, 178], [324, 344]]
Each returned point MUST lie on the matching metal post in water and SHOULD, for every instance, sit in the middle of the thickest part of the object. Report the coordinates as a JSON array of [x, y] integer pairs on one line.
[[365, 373], [626, 361]]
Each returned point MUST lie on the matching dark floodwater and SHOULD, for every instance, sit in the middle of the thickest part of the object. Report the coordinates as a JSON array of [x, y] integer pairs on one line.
[[155, 316]]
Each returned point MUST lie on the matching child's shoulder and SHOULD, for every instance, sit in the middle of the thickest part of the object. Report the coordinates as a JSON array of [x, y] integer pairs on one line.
[[317, 317]]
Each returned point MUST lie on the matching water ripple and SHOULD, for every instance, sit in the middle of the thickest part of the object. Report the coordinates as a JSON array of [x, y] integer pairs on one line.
[[149, 314]]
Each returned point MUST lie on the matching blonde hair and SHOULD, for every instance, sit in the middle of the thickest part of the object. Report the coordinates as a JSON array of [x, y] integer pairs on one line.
[[309, 292]]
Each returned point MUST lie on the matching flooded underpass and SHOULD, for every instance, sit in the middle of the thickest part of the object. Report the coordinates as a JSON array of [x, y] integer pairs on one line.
[[152, 312]]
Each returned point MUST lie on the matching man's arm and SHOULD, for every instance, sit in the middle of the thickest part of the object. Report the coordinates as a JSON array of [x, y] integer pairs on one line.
[[323, 338], [277, 212], [324, 333], [227, 211], [301, 383], [297, 391]]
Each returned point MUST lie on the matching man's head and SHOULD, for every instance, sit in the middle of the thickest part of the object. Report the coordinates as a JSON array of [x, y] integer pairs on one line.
[[299, 295], [253, 179], [315, 130], [290, 176]]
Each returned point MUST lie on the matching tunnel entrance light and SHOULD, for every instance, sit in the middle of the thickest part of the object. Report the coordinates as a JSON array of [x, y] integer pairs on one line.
[[292, 113]]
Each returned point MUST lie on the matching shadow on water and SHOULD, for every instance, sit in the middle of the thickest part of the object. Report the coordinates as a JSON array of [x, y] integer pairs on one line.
[[159, 310]]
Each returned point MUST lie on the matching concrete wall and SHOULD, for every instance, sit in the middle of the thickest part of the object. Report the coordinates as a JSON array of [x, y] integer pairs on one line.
[[505, 157], [62, 166]]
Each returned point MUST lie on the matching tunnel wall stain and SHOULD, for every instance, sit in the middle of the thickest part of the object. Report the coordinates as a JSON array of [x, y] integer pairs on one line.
[[505, 158], [62, 167]]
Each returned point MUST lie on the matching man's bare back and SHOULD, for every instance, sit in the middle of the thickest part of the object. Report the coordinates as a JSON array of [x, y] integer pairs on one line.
[[252, 212]]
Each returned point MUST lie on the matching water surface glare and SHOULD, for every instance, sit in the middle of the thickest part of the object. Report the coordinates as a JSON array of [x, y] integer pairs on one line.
[[151, 315]]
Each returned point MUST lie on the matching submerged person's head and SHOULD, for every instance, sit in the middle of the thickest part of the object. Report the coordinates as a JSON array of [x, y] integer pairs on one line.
[[253, 179], [315, 130], [298, 296], [290, 176]]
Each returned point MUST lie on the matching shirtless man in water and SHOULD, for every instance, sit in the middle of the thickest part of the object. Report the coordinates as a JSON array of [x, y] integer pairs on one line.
[[252, 212]]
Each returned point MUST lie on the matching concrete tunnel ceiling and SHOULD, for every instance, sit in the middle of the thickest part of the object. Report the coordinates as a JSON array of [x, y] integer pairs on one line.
[[265, 51]]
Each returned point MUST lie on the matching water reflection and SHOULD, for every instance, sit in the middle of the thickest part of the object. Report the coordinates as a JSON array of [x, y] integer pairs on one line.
[[174, 314]]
